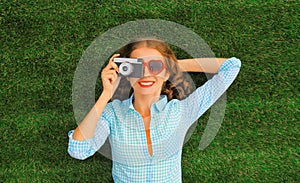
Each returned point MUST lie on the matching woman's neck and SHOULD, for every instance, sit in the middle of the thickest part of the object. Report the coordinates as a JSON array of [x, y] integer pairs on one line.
[[143, 103]]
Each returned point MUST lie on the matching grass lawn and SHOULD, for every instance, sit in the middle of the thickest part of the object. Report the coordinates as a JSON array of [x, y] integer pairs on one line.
[[42, 42]]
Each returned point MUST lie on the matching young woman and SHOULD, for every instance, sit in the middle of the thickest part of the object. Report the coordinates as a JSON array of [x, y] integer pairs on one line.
[[147, 123]]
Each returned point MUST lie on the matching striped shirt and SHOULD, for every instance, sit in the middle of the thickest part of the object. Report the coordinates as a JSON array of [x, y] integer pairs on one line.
[[170, 120]]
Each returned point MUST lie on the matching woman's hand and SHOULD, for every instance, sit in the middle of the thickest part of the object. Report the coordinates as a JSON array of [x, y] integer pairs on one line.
[[109, 76]]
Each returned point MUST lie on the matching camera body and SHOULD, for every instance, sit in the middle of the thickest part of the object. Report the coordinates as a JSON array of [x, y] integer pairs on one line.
[[130, 67]]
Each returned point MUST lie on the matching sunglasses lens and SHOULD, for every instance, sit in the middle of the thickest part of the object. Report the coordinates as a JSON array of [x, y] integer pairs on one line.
[[156, 66]]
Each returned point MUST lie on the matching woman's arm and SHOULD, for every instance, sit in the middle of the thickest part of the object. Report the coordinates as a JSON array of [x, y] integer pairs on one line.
[[208, 65], [86, 128], [206, 95], [91, 133]]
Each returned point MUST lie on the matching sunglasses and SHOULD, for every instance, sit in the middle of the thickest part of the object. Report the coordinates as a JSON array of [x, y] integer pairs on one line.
[[155, 66]]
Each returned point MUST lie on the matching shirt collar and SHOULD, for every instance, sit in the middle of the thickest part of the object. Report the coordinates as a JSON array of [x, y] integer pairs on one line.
[[130, 102], [159, 105]]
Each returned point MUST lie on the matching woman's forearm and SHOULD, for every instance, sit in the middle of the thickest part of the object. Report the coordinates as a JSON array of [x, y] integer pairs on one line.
[[208, 65], [86, 128]]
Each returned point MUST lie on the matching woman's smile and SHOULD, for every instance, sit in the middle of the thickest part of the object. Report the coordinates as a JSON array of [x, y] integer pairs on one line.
[[146, 84]]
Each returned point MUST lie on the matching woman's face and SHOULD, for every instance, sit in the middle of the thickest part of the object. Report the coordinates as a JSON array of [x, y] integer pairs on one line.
[[150, 84]]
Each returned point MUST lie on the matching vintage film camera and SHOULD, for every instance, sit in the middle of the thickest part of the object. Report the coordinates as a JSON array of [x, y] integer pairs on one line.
[[130, 67]]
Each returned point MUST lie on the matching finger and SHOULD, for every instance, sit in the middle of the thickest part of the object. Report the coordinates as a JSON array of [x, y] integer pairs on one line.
[[115, 66], [114, 56], [111, 66], [110, 75], [110, 71]]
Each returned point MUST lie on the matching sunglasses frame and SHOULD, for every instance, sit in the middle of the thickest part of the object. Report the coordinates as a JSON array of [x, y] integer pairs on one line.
[[147, 64]]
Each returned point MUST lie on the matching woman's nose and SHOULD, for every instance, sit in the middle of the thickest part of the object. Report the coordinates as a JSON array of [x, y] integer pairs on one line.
[[146, 71]]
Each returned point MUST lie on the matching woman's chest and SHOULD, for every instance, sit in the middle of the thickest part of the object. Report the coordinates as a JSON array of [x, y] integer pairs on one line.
[[130, 141]]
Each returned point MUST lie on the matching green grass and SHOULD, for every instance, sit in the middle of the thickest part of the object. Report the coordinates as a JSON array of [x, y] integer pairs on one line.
[[41, 44]]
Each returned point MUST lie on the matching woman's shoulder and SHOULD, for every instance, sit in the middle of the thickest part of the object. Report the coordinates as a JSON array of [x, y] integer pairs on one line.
[[117, 104]]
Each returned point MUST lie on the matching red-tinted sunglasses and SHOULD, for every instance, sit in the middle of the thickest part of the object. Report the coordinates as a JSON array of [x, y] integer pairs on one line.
[[155, 66]]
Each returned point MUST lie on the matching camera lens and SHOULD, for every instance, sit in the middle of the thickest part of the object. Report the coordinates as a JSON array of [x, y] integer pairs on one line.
[[125, 69]]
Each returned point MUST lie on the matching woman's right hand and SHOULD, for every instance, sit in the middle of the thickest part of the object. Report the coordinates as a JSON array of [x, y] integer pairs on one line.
[[109, 76]]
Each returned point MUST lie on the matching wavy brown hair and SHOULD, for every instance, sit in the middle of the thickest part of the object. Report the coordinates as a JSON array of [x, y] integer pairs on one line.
[[178, 86]]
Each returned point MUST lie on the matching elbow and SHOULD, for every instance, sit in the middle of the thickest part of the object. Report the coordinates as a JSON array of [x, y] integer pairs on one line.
[[80, 149], [77, 155]]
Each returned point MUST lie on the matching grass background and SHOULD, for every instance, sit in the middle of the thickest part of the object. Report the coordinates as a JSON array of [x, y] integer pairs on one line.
[[42, 42]]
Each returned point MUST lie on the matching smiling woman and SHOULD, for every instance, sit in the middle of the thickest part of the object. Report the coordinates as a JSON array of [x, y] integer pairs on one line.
[[146, 128]]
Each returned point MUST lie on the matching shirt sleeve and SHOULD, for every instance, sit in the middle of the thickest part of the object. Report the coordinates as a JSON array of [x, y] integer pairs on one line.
[[205, 96], [86, 148]]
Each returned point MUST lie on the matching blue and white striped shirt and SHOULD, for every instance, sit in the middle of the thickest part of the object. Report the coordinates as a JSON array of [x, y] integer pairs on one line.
[[169, 123]]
